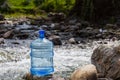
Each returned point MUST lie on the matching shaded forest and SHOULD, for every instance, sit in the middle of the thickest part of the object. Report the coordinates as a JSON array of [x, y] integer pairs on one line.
[[91, 10]]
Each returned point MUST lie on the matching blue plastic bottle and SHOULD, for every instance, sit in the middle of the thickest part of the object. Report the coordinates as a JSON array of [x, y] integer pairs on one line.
[[41, 56]]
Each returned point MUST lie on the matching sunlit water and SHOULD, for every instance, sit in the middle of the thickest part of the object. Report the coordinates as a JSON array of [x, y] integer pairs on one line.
[[15, 59]]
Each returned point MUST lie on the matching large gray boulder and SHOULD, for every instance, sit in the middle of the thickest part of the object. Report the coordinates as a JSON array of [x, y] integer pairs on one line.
[[107, 61]]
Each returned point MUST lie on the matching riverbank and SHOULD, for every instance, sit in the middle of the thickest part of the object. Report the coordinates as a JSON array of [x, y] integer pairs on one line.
[[57, 29]]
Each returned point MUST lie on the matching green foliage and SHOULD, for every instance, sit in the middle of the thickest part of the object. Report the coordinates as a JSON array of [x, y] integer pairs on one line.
[[38, 2], [55, 5], [26, 3], [19, 4], [31, 6]]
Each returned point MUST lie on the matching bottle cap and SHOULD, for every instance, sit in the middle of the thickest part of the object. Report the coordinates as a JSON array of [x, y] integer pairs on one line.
[[41, 33]]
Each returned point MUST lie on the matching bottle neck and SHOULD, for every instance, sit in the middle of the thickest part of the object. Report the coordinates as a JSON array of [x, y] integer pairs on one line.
[[41, 36]]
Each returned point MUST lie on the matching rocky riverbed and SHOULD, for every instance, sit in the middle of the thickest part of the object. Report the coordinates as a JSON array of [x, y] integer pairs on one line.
[[56, 26]]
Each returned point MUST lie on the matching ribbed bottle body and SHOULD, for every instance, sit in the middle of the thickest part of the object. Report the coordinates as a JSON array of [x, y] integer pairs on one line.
[[41, 57]]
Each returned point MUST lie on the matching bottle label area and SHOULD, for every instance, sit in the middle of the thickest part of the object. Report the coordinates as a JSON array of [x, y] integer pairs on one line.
[[41, 57], [41, 62]]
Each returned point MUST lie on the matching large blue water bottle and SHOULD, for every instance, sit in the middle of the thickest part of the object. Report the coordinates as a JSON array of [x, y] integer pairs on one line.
[[41, 56]]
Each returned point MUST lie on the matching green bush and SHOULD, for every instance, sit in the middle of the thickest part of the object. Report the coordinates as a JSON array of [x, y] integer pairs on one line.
[[38, 2], [25, 3], [55, 5], [38, 5]]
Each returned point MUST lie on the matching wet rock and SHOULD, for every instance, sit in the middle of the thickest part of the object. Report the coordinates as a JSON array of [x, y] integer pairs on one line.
[[73, 28], [89, 28], [87, 72], [114, 39], [105, 42], [9, 23], [38, 21], [98, 35], [27, 31], [55, 39], [28, 76], [55, 26], [85, 24], [81, 46], [113, 26], [83, 41], [107, 61], [72, 22], [35, 22], [8, 34], [56, 17], [100, 75], [64, 28], [104, 79], [15, 42], [1, 40], [78, 24], [22, 36], [86, 33], [2, 22], [25, 26], [72, 40], [45, 27], [2, 31], [2, 17]]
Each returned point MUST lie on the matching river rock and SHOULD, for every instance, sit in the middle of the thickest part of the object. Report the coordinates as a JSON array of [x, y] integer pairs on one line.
[[85, 24], [82, 46], [72, 22], [72, 40], [78, 24], [56, 17], [89, 28], [1, 40], [22, 35], [28, 76], [55, 26], [107, 61], [113, 26], [104, 79], [87, 72], [55, 39], [8, 34], [73, 28], [2, 22]]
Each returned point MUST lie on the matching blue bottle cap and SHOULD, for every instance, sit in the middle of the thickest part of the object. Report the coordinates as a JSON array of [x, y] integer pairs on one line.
[[41, 33]]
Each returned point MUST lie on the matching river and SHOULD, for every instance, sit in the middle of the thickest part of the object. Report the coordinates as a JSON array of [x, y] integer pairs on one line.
[[15, 59]]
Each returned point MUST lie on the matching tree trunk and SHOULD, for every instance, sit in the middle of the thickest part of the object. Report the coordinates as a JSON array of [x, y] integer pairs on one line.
[[95, 10]]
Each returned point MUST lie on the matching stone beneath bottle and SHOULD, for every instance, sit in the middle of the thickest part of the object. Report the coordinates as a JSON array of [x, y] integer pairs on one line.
[[28, 76]]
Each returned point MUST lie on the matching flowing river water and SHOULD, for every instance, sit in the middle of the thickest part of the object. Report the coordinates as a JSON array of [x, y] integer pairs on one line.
[[15, 59]]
